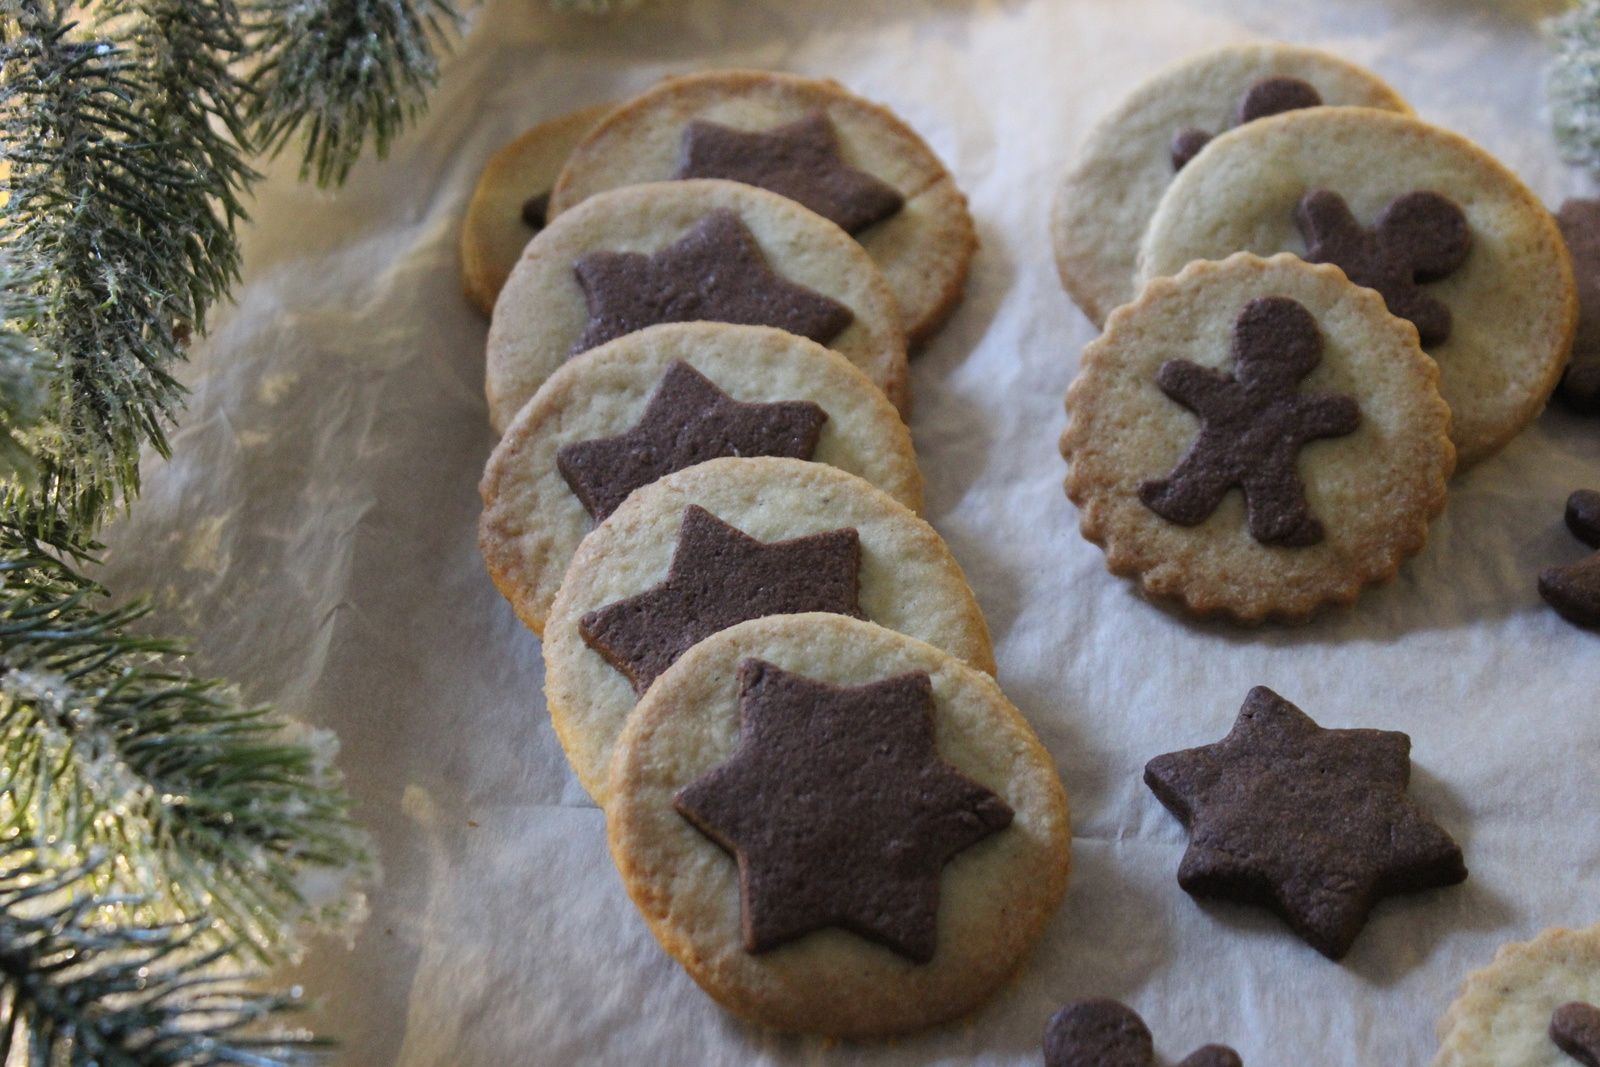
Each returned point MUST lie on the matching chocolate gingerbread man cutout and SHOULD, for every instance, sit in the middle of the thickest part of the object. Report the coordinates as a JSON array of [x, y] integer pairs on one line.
[[1253, 424], [1575, 1029], [1105, 1033], [1269, 96], [1420, 237], [1574, 590]]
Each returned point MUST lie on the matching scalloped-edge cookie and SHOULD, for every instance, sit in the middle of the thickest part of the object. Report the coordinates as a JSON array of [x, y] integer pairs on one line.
[[1367, 488], [1502, 1016], [924, 248], [1105, 202], [994, 896], [532, 519]]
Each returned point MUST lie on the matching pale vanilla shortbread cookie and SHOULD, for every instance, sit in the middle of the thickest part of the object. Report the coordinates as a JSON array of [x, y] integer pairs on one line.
[[1510, 304], [994, 896], [532, 518], [1341, 506], [1502, 1016], [906, 579], [543, 315], [512, 194], [1105, 201], [924, 247]]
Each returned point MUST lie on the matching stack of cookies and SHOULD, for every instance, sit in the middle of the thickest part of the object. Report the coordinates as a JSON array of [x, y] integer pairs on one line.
[[1308, 295], [760, 661]]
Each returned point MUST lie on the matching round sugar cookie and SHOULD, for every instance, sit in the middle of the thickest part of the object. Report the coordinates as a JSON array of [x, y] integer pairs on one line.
[[1506, 298], [1502, 1017], [781, 395], [1341, 443], [994, 896], [1105, 201], [725, 541], [684, 251], [847, 158], [511, 201]]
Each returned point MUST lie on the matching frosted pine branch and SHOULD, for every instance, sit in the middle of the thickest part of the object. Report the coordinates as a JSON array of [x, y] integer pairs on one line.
[[1574, 84]]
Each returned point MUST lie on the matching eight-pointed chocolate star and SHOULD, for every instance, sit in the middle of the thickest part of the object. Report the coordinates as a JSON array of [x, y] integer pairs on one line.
[[800, 161], [721, 576], [715, 272], [1312, 823], [1253, 425], [687, 421], [839, 809], [1420, 237]]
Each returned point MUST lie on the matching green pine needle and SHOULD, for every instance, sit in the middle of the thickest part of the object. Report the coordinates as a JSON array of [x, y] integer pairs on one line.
[[22, 373], [1574, 84]]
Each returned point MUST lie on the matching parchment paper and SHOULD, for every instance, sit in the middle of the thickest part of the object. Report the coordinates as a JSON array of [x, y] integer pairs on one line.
[[315, 533]]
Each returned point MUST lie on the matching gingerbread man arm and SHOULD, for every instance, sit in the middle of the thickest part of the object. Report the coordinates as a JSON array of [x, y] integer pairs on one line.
[[1327, 415], [1200, 389]]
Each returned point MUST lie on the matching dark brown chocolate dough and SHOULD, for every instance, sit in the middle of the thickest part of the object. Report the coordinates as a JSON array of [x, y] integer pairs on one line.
[[1105, 1033], [536, 211], [1314, 824], [721, 576], [1420, 237], [1574, 590], [1269, 96], [839, 810], [688, 421], [715, 272], [1253, 425], [800, 161], [1575, 1028], [1580, 226]]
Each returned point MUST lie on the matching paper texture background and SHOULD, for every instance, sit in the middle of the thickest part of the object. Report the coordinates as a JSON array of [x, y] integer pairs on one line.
[[315, 533]]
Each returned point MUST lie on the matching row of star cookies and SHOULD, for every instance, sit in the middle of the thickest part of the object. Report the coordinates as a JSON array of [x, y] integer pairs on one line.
[[1327, 307], [734, 196]]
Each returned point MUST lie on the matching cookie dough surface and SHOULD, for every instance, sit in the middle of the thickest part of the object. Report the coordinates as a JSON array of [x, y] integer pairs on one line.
[[908, 580], [924, 250], [1105, 202], [542, 311], [1374, 490], [1502, 1016], [1513, 302], [532, 521], [995, 897]]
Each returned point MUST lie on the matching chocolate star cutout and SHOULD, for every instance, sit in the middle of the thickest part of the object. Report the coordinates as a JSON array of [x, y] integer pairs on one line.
[[1253, 425], [1574, 590], [715, 272], [1575, 1028], [800, 161], [721, 576], [688, 421], [1580, 227], [1314, 824], [1105, 1033], [839, 810], [1420, 237], [1269, 96]]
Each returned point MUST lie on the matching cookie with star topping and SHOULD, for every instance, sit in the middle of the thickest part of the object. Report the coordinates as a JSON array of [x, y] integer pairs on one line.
[[1130, 157], [686, 251], [846, 158], [656, 401], [725, 541], [1256, 439], [512, 201], [759, 786], [1454, 241]]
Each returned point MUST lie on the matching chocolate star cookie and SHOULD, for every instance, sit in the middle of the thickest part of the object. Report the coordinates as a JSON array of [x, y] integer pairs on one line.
[[1580, 228]]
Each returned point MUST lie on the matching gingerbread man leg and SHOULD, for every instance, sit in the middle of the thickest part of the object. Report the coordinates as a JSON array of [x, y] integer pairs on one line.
[[1275, 498], [1189, 494]]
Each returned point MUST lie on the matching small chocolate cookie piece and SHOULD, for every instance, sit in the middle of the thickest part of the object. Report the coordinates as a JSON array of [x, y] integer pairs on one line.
[[1312, 823], [536, 212], [1575, 1028], [806, 763], [839, 809], [1269, 96], [1580, 228], [1574, 589], [1106, 1033]]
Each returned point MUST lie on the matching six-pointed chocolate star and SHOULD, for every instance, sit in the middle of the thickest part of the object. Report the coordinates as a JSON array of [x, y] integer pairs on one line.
[[721, 576], [800, 161], [1312, 823], [839, 809], [715, 272], [688, 421]]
